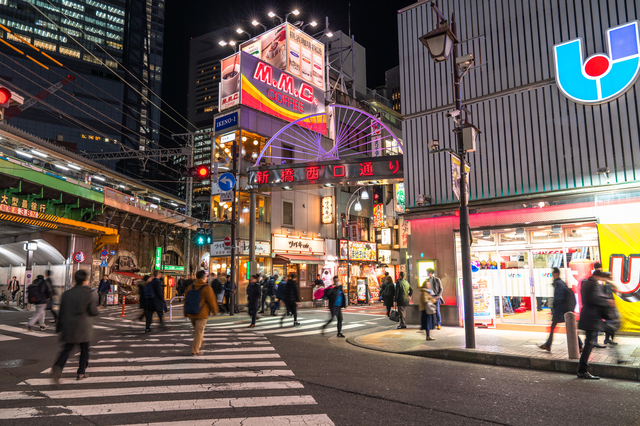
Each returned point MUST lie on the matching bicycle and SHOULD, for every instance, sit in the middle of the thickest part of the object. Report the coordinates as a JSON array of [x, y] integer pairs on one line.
[[4, 298], [20, 299]]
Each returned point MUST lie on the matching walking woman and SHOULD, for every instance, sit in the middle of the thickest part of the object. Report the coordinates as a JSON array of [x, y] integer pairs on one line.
[[388, 291], [427, 308]]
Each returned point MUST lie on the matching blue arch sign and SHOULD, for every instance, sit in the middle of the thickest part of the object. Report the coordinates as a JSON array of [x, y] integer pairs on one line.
[[600, 78]]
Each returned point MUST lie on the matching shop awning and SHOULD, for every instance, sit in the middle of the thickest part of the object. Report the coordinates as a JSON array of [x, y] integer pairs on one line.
[[294, 258]]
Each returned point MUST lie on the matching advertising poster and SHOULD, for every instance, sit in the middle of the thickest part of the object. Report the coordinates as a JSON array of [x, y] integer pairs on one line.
[[455, 174], [270, 47], [483, 300], [327, 210], [306, 57], [361, 288], [620, 253], [386, 236], [229, 86], [399, 187], [423, 265], [378, 215], [359, 250]]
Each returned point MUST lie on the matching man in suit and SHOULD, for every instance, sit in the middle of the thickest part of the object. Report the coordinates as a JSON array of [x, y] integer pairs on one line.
[[14, 287]]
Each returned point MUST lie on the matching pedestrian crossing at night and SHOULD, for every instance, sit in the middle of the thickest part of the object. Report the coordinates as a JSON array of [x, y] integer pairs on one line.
[[141, 379]]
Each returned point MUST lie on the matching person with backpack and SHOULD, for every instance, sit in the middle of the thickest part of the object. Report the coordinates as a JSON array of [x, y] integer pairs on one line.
[[75, 326], [563, 301], [103, 288], [199, 302], [154, 300], [253, 298], [51, 292], [263, 284], [436, 287], [38, 293], [337, 302], [403, 292], [291, 297]]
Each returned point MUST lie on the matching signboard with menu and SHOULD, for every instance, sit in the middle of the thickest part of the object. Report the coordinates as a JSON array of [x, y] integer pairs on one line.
[[483, 301], [378, 215], [358, 250]]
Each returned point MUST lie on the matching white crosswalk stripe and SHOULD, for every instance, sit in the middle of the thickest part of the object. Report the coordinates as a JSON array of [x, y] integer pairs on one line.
[[151, 376]]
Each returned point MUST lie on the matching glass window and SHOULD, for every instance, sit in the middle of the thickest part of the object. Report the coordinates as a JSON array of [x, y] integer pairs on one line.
[[287, 213], [483, 238], [545, 234], [581, 233], [513, 236]]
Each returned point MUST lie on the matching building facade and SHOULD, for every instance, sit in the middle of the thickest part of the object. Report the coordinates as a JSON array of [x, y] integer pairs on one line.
[[553, 178]]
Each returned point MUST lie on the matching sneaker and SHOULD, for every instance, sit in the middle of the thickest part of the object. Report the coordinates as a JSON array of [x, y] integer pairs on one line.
[[148, 330], [56, 372], [340, 335], [82, 376], [296, 323], [261, 312], [29, 329], [43, 328], [611, 342]]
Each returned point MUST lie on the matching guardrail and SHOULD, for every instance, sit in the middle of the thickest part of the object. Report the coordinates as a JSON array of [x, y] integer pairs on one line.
[[171, 306]]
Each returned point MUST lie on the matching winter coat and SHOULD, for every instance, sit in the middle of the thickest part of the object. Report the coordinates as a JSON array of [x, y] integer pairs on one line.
[[208, 301], [216, 286], [331, 293], [291, 293], [612, 312], [77, 306], [403, 291], [388, 293], [427, 300], [142, 302], [594, 305], [280, 290], [157, 303], [253, 295], [104, 286], [228, 286], [51, 293], [270, 287], [560, 302], [436, 287]]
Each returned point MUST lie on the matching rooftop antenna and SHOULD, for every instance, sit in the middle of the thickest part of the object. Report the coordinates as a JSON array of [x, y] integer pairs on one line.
[[349, 19]]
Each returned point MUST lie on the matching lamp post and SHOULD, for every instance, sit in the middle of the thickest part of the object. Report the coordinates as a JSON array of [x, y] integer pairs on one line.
[[357, 207], [312, 23], [231, 43], [273, 15], [256, 23], [240, 31], [295, 12], [441, 43]]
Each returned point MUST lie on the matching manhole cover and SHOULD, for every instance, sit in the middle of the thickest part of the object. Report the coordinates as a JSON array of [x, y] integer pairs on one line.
[[14, 363]]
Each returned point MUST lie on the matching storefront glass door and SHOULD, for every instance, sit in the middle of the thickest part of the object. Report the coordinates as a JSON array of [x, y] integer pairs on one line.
[[515, 280]]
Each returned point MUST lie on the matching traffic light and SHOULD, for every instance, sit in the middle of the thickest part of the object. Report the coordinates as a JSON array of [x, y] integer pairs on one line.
[[200, 173], [203, 237], [5, 96]]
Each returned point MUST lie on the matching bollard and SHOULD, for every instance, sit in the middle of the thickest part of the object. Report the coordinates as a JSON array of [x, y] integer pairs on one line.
[[122, 309], [572, 335]]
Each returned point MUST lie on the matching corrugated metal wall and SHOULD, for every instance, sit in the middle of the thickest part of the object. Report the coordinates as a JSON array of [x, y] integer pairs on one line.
[[534, 139]]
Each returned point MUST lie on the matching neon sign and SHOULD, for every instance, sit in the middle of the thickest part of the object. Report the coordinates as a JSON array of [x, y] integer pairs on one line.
[[601, 77]]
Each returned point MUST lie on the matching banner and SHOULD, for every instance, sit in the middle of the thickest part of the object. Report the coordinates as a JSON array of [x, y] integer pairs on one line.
[[229, 91], [455, 174], [620, 253]]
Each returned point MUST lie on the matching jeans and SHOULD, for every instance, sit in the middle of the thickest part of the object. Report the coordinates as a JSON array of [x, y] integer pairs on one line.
[[84, 356], [199, 325], [264, 298], [103, 298], [550, 339], [39, 315], [401, 313], [149, 315], [293, 308], [438, 319], [336, 311], [589, 342]]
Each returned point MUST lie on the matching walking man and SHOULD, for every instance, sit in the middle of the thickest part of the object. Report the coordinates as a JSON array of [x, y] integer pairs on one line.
[[594, 305], [203, 301], [14, 287], [337, 302], [563, 301], [253, 298], [103, 288], [436, 288], [51, 293], [403, 292], [155, 300], [291, 297], [75, 325], [38, 295]]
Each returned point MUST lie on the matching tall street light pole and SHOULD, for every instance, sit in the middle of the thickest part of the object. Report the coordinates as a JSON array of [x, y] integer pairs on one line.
[[234, 208], [442, 42]]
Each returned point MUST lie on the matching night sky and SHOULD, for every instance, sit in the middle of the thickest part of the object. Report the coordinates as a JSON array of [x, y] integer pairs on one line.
[[373, 23]]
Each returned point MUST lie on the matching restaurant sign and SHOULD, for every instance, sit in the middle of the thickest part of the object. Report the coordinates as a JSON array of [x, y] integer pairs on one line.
[[358, 250], [297, 245]]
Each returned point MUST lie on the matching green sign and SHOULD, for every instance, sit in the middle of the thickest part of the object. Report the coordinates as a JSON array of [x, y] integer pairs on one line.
[[173, 268], [158, 257]]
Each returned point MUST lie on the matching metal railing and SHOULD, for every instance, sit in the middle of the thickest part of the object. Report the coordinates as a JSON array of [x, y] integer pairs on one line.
[[171, 306], [129, 200]]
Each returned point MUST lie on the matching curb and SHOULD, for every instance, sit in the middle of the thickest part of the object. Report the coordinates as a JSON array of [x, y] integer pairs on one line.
[[515, 361]]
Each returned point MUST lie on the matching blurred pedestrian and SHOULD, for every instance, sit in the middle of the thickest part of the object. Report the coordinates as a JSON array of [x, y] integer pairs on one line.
[[229, 287], [563, 301], [291, 297], [39, 295], [271, 290], [75, 325], [403, 292], [198, 305], [437, 289], [594, 307], [14, 287], [387, 292], [103, 288], [337, 302], [142, 301], [218, 289], [154, 300], [427, 307], [253, 298], [52, 293], [611, 321]]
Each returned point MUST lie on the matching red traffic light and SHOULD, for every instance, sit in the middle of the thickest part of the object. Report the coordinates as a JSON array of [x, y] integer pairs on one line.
[[203, 171], [5, 95]]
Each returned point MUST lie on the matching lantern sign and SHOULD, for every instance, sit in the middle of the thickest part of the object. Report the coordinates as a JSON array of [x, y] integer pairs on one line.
[[378, 215], [327, 210]]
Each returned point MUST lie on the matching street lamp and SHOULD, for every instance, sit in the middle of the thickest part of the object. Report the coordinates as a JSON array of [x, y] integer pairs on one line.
[[273, 15], [312, 23], [295, 12], [442, 42], [240, 31], [364, 195], [231, 43], [357, 207], [256, 23]]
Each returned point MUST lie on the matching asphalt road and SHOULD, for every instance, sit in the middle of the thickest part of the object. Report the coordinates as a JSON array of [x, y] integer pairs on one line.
[[274, 376]]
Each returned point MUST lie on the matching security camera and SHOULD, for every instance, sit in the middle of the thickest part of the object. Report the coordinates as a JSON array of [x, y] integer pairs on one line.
[[453, 114], [434, 145], [465, 61], [420, 200]]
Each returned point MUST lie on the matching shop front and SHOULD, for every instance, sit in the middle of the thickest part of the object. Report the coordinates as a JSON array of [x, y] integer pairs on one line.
[[357, 268], [301, 256]]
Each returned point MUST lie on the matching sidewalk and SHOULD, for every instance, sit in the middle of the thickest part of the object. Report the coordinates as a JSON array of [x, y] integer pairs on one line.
[[508, 348]]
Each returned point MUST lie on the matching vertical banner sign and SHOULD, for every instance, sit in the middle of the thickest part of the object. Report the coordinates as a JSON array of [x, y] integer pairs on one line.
[[158, 257], [378, 216], [399, 187], [455, 174], [229, 86], [354, 231], [327, 210]]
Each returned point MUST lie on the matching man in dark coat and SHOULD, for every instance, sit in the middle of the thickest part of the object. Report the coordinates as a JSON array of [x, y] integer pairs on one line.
[[142, 302], [228, 288], [75, 325], [253, 297], [14, 287], [594, 308], [388, 292], [337, 302], [560, 306], [403, 292], [103, 288], [155, 300], [52, 293], [291, 297]]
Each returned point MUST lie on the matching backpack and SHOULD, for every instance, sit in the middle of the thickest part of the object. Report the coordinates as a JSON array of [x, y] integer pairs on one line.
[[571, 299], [35, 292], [147, 291], [192, 301]]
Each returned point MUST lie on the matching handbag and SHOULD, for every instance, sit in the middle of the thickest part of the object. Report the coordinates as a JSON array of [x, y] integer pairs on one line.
[[431, 308], [393, 316]]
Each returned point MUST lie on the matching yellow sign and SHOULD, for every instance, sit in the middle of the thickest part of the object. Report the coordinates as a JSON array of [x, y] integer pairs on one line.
[[620, 251], [327, 210]]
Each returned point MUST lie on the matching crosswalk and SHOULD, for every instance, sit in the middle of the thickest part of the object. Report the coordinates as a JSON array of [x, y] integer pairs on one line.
[[152, 379]]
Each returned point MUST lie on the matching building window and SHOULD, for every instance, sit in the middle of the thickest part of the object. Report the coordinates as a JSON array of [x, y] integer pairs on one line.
[[287, 213]]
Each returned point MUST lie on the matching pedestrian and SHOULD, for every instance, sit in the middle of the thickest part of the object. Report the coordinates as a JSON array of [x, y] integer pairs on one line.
[[427, 307], [611, 321], [75, 325], [218, 289], [199, 298], [229, 287], [14, 287], [563, 301], [337, 302], [52, 293], [262, 282], [182, 285], [103, 288], [38, 293], [403, 292], [436, 287], [154, 300], [142, 301], [271, 291], [253, 298], [388, 293], [291, 297], [594, 307]]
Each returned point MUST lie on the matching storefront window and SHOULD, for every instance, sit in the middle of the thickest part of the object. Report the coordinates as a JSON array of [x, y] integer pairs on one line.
[[582, 233], [251, 144], [546, 234], [483, 238], [516, 236]]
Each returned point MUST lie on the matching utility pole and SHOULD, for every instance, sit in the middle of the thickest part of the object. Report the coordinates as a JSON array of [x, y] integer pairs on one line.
[[188, 199], [253, 267], [234, 207]]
